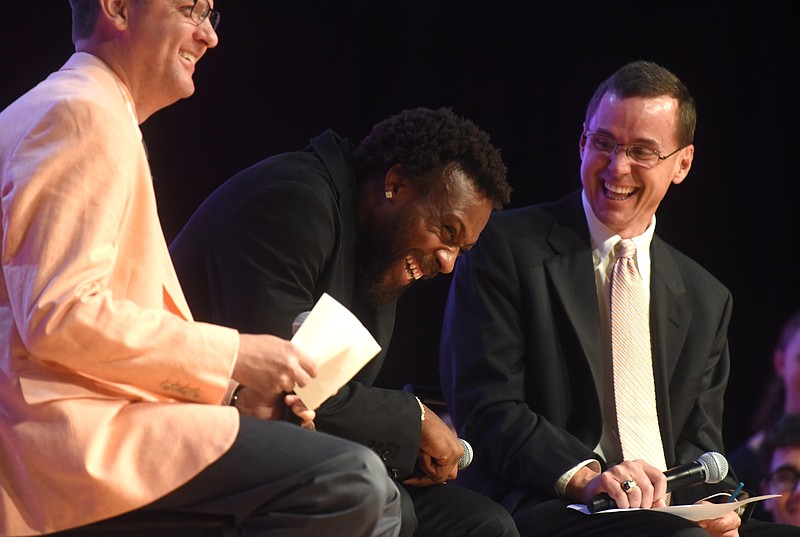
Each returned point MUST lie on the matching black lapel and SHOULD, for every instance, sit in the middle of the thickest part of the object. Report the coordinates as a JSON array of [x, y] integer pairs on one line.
[[571, 273]]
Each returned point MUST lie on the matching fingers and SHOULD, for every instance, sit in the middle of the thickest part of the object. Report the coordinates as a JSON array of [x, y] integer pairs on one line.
[[633, 484], [421, 481], [304, 368], [439, 449], [298, 367], [271, 364], [440, 471], [271, 407], [659, 482], [725, 526], [308, 425], [300, 410]]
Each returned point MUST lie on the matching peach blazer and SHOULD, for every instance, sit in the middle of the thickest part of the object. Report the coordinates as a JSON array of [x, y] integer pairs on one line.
[[109, 392]]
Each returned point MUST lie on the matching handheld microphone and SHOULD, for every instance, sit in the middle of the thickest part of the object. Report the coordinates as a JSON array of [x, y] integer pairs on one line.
[[299, 320], [466, 458], [711, 467]]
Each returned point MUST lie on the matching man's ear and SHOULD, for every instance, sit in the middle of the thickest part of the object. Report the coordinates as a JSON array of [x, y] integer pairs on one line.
[[115, 12], [394, 180], [684, 164], [582, 141]]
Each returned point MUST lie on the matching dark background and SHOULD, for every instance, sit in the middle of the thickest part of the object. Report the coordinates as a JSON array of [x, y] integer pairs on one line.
[[523, 71]]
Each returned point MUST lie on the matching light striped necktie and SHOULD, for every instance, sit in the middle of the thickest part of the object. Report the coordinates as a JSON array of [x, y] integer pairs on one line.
[[634, 387]]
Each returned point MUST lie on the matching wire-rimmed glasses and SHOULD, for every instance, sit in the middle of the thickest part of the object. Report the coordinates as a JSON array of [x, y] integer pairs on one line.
[[641, 155]]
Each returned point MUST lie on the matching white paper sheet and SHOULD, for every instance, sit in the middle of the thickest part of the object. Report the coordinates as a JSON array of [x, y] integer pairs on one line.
[[695, 512], [339, 344]]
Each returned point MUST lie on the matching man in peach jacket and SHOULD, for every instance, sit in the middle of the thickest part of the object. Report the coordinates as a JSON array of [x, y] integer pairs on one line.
[[112, 399]]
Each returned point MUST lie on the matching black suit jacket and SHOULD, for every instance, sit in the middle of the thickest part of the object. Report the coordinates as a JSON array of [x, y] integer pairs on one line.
[[521, 349], [265, 246]]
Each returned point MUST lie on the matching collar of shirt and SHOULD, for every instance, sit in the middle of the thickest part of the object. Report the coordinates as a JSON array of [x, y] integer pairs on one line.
[[604, 240]]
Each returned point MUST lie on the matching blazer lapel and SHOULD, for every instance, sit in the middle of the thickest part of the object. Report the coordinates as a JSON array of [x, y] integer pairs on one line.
[[669, 316], [572, 276]]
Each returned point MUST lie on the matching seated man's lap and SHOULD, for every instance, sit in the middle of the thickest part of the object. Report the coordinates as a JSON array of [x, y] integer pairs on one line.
[[554, 519], [450, 510]]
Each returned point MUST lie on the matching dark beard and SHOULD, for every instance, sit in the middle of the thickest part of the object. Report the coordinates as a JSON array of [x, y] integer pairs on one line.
[[379, 250], [371, 289]]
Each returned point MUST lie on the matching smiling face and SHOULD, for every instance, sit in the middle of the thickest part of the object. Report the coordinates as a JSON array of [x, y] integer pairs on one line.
[[415, 235], [163, 44], [624, 195], [786, 508]]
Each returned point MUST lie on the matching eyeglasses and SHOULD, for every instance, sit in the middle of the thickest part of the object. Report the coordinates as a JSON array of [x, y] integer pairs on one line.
[[201, 10], [784, 479], [641, 155]]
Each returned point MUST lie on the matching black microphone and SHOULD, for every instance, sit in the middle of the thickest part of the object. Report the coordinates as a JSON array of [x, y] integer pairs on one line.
[[711, 467]]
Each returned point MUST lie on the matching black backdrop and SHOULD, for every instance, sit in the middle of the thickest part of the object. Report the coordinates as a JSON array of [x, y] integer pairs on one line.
[[287, 69]]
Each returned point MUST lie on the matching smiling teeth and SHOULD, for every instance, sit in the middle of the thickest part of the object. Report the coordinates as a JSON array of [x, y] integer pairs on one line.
[[619, 189], [187, 56], [412, 268]]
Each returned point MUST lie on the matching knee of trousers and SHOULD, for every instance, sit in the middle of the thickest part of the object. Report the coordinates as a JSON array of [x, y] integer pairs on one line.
[[366, 479]]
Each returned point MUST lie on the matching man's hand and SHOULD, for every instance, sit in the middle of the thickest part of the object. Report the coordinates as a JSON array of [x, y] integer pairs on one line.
[[725, 526], [651, 485], [271, 365], [272, 407], [439, 452], [300, 410]]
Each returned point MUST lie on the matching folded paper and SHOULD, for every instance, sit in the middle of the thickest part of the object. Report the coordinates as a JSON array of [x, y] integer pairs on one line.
[[338, 343]]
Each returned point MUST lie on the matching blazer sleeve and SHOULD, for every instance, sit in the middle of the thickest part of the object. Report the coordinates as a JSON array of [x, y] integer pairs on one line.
[[77, 208]]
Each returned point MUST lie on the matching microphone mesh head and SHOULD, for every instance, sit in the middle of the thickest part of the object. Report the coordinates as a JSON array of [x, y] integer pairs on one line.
[[466, 458], [715, 465]]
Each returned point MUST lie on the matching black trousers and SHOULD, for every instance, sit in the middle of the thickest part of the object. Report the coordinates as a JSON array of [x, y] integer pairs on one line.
[[553, 519], [279, 479], [451, 511]]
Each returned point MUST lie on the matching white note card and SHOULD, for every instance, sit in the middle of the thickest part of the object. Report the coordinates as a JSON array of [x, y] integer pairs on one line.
[[695, 512], [339, 344]]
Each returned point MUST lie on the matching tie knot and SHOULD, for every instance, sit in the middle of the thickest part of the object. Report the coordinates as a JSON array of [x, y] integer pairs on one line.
[[626, 248]]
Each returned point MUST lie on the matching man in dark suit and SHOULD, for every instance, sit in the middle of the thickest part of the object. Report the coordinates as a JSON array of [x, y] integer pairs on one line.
[[526, 355], [361, 226]]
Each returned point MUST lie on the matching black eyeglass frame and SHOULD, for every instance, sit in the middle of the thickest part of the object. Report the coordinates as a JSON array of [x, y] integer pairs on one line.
[[198, 17], [786, 469]]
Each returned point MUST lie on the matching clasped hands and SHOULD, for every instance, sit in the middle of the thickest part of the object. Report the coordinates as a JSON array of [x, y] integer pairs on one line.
[[646, 487]]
